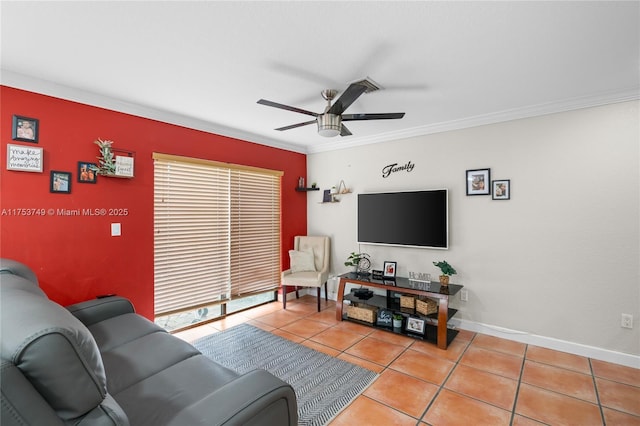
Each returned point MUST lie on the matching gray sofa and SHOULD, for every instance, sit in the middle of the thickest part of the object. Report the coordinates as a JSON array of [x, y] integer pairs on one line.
[[99, 363]]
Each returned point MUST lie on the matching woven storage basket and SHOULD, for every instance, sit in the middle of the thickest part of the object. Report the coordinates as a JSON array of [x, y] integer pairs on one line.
[[407, 301], [426, 306], [366, 313]]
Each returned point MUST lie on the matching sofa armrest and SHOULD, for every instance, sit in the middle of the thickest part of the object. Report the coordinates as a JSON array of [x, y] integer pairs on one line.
[[21, 403], [96, 310], [255, 398]]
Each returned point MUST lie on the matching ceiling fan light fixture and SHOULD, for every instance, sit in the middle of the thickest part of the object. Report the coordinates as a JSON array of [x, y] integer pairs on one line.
[[329, 125]]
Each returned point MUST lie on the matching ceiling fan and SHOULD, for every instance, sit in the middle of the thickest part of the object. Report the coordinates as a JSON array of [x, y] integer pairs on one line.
[[330, 121]]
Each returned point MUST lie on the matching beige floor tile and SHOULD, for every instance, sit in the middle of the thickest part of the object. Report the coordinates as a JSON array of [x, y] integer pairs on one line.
[[487, 387], [365, 411], [432, 369], [405, 393], [500, 345], [494, 362], [619, 396], [305, 327], [559, 359], [454, 409], [337, 339], [616, 373], [555, 408], [560, 380], [375, 350]]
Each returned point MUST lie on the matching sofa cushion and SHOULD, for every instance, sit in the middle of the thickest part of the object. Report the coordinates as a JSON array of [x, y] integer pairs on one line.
[[53, 350], [157, 399], [122, 329], [139, 359]]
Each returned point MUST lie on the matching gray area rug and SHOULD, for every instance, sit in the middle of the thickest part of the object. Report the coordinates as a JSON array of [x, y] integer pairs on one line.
[[324, 385]]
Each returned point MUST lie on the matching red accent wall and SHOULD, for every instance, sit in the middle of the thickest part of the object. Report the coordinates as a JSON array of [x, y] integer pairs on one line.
[[75, 257]]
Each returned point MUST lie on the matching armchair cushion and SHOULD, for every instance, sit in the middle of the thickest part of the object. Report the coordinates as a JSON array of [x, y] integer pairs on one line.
[[302, 261]]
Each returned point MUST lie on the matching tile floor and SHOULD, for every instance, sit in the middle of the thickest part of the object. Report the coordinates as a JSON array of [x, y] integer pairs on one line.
[[479, 380]]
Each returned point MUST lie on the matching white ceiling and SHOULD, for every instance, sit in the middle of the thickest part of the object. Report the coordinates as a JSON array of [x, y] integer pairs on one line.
[[204, 64]]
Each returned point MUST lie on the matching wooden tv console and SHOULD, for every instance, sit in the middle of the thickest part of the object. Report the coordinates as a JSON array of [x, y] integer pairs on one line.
[[404, 286]]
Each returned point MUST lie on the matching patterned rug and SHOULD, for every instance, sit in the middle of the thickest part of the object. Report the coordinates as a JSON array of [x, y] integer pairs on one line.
[[324, 385]]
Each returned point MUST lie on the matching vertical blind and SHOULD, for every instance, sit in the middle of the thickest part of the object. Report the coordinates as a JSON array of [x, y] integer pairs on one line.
[[216, 232]]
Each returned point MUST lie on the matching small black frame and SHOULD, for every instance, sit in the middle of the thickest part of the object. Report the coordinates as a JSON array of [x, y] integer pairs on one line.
[[389, 270], [478, 182], [501, 189], [60, 182], [87, 174], [415, 325], [25, 129]]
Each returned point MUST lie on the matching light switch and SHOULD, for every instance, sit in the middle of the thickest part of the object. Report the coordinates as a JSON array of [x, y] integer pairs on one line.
[[115, 230]]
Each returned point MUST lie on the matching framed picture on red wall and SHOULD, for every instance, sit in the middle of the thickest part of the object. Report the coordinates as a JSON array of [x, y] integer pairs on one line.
[[85, 172], [60, 182], [25, 129]]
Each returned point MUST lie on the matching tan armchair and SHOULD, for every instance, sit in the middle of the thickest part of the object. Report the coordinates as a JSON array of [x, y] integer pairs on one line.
[[309, 266]]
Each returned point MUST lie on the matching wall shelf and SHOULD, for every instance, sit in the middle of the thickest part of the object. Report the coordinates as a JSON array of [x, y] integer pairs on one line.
[[307, 189]]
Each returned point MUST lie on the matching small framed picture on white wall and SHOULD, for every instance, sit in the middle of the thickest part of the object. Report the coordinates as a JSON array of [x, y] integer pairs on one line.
[[501, 189], [478, 182]]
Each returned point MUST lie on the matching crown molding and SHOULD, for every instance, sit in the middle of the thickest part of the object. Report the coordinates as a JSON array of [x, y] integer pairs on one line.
[[24, 82], [600, 99], [49, 88]]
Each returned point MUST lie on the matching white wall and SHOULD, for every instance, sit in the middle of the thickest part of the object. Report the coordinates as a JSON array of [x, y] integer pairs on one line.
[[560, 260]]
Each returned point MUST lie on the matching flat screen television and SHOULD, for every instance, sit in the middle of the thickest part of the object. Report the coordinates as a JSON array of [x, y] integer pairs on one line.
[[407, 218]]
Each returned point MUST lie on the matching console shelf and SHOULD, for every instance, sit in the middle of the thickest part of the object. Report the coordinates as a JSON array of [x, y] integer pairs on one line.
[[435, 324]]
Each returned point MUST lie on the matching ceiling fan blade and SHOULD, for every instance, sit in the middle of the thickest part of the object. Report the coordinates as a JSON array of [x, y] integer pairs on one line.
[[349, 96], [381, 116], [344, 131], [287, 107], [293, 126]]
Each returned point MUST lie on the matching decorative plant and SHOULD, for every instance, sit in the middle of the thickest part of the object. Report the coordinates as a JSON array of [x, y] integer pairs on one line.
[[106, 161], [445, 268], [360, 261], [353, 259], [397, 320]]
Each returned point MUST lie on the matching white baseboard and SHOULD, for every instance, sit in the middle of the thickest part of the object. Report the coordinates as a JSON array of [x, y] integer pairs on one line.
[[601, 354], [550, 343]]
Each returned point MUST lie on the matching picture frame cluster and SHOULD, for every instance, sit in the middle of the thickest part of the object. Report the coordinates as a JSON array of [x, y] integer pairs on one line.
[[28, 158], [478, 182]]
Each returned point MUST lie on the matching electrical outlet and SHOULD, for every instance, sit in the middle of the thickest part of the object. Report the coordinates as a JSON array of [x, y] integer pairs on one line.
[[626, 321], [464, 295]]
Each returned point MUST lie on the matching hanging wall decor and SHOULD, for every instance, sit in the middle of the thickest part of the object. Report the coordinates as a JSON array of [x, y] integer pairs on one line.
[[24, 158], [86, 173], [25, 129], [478, 182], [110, 163], [501, 189], [60, 182]]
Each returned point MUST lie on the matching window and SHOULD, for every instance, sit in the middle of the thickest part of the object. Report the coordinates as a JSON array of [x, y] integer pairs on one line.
[[216, 232]]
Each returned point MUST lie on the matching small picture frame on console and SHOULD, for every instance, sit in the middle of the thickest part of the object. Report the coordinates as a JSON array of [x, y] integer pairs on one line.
[[389, 270], [415, 325]]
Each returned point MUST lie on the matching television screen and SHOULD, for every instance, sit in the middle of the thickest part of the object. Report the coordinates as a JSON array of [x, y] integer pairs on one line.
[[409, 218]]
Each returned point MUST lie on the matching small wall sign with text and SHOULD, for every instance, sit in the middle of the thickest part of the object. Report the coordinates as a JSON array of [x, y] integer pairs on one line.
[[392, 168], [24, 158], [124, 166]]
